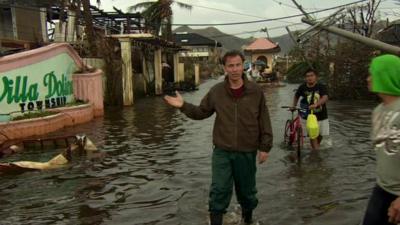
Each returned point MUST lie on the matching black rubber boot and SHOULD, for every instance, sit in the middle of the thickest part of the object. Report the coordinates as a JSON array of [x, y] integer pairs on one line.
[[216, 218], [247, 216]]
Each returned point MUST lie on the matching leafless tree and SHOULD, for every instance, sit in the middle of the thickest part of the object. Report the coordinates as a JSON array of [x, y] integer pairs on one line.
[[362, 18]]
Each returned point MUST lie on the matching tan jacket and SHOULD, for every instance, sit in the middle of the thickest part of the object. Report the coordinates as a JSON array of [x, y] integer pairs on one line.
[[241, 124]]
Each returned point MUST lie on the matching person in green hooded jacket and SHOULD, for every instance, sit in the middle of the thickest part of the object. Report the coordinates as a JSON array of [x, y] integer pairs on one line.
[[384, 80]]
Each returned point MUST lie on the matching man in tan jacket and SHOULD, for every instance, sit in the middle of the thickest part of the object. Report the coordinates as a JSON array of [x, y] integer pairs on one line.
[[241, 129]]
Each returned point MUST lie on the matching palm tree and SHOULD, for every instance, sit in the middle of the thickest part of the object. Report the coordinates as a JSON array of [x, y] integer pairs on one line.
[[77, 5], [158, 13], [87, 15]]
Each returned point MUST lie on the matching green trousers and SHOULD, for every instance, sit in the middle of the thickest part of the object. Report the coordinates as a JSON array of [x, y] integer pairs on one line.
[[233, 169]]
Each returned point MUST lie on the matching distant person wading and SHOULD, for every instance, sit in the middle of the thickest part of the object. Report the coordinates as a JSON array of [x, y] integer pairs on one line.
[[314, 96]]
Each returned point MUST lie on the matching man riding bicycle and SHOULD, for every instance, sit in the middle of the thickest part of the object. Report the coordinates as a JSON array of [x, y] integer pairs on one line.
[[314, 96]]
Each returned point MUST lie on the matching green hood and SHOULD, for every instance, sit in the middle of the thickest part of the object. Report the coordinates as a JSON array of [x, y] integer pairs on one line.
[[385, 74]]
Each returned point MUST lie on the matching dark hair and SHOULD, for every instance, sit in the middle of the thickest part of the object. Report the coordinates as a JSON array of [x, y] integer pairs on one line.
[[311, 71], [232, 53]]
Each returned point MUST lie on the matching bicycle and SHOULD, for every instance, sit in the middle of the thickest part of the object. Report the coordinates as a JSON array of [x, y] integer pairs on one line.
[[293, 136]]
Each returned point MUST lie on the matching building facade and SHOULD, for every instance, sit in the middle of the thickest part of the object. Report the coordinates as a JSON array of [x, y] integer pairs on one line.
[[263, 50]]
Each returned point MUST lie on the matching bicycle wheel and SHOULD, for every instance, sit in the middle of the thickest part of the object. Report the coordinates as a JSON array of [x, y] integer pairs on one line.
[[286, 137], [299, 141]]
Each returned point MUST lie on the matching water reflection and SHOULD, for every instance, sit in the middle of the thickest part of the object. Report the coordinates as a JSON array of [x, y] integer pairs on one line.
[[157, 171]]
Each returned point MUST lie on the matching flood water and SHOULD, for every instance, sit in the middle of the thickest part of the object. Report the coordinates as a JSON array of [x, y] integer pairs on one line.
[[157, 171]]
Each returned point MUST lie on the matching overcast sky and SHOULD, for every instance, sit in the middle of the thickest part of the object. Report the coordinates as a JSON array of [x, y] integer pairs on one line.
[[249, 10]]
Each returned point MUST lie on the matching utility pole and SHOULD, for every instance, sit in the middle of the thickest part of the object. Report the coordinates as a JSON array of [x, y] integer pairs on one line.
[[302, 10], [302, 53], [316, 25], [324, 25], [265, 29], [359, 38]]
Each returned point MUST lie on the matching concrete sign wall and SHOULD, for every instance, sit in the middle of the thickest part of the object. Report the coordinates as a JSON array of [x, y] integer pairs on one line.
[[45, 81]]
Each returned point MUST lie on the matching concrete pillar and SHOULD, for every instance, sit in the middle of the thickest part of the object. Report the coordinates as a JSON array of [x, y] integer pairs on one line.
[[145, 74], [105, 29], [14, 22], [287, 63], [59, 32], [181, 72], [71, 26], [122, 28], [94, 94], [158, 72], [43, 21], [196, 74], [127, 73], [176, 67]]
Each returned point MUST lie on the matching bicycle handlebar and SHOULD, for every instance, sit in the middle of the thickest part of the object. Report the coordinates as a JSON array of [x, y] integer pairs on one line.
[[294, 108]]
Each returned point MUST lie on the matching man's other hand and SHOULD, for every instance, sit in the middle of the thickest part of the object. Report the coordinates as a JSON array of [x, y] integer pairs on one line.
[[262, 157], [394, 211]]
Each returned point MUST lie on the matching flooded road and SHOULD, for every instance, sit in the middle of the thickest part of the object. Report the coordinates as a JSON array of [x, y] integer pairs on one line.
[[157, 171]]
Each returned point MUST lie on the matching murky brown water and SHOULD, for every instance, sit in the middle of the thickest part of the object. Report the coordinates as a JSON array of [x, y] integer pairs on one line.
[[157, 171]]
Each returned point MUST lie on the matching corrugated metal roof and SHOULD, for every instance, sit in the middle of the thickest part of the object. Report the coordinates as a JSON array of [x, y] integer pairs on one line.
[[391, 34], [193, 39]]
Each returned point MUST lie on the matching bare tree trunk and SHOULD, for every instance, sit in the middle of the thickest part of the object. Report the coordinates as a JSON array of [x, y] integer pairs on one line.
[[62, 19], [363, 18], [89, 27], [168, 29]]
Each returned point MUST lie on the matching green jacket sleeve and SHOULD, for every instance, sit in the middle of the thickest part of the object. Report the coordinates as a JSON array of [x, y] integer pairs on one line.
[[204, 110], [266, 136]]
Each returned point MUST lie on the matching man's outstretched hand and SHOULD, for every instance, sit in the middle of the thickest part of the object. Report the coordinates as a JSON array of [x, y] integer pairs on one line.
[[176, 102]]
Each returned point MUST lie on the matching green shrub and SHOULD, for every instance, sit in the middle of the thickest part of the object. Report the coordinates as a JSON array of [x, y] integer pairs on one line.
[[76, 103], [295, 73], [31, 115]]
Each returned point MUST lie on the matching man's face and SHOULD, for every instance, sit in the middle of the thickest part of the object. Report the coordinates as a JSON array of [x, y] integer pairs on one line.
[[234, 68], [311, 78]]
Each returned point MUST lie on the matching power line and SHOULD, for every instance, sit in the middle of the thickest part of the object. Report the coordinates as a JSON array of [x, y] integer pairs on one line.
[[244, 32], [101, 23], [271, 19], [285, 13], [260, 30], [312, 2], [254, 31], [222, 24], [221, 10], [317, 8], [76, 16], [227, 11], [287, 5]]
